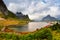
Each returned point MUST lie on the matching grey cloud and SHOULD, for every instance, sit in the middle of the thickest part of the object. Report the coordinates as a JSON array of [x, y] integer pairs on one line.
[[34, 7]]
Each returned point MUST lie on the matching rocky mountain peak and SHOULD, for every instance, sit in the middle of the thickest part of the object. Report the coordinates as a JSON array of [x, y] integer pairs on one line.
[[49, 18]]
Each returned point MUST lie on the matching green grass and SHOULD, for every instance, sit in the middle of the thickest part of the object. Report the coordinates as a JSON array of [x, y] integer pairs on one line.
[[38, 35], [50, 33], [55, 30]]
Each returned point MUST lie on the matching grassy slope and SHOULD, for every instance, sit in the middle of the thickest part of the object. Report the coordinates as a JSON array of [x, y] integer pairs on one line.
[[56, 35], [8, 22], [11, 19], [42, 34], [55, 30]]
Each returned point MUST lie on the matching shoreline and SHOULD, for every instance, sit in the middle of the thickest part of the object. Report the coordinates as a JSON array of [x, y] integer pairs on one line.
[[16, 32]]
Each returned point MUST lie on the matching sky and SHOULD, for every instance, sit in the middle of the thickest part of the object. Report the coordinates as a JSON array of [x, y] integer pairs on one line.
[[35, 9]]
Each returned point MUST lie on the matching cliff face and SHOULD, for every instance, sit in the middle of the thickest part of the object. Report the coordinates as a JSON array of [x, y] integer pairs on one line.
[[3, 7], [5, 12]]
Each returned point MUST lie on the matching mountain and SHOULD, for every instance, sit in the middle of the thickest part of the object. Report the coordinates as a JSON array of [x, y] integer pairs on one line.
[[8, 18], [58, 17], [49, 18], [4, 12], [21, 16]]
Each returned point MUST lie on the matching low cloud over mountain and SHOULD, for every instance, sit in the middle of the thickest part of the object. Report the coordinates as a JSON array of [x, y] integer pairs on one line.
[[36, 9]]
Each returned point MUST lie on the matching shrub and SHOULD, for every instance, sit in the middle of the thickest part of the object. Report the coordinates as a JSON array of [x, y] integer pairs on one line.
[[43, 34], [55, 26]]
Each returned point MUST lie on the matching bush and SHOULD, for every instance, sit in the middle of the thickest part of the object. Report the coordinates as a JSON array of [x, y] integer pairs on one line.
[[43, 34], [55, 26]]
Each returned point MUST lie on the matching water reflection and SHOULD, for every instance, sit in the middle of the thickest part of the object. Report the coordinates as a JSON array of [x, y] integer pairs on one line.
[[36, 25], [31, 26]]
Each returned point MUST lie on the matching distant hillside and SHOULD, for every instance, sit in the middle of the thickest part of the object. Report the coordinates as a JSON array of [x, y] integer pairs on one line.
[[21, 16], [49, 18], [58, 16]]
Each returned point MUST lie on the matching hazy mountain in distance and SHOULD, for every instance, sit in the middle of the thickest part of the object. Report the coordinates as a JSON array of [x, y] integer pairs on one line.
[[58, 17], [21, 16], [49, 18]]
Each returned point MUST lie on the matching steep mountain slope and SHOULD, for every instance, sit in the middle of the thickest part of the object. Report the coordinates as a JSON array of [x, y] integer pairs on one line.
[[9, 18], [4, 11]]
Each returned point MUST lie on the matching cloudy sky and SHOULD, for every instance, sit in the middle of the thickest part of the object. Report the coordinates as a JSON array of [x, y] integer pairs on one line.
[[36, 9]]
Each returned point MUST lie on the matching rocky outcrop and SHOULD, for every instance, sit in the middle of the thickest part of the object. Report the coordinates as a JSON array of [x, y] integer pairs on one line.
[[21, 16], [3, 8], [4, 11]]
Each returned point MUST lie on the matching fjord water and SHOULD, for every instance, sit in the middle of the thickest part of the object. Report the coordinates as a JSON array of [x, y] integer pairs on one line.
[[31, 26]]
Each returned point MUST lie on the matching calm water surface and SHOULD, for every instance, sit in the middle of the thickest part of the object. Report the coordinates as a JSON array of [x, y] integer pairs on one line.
[[31, 26]]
